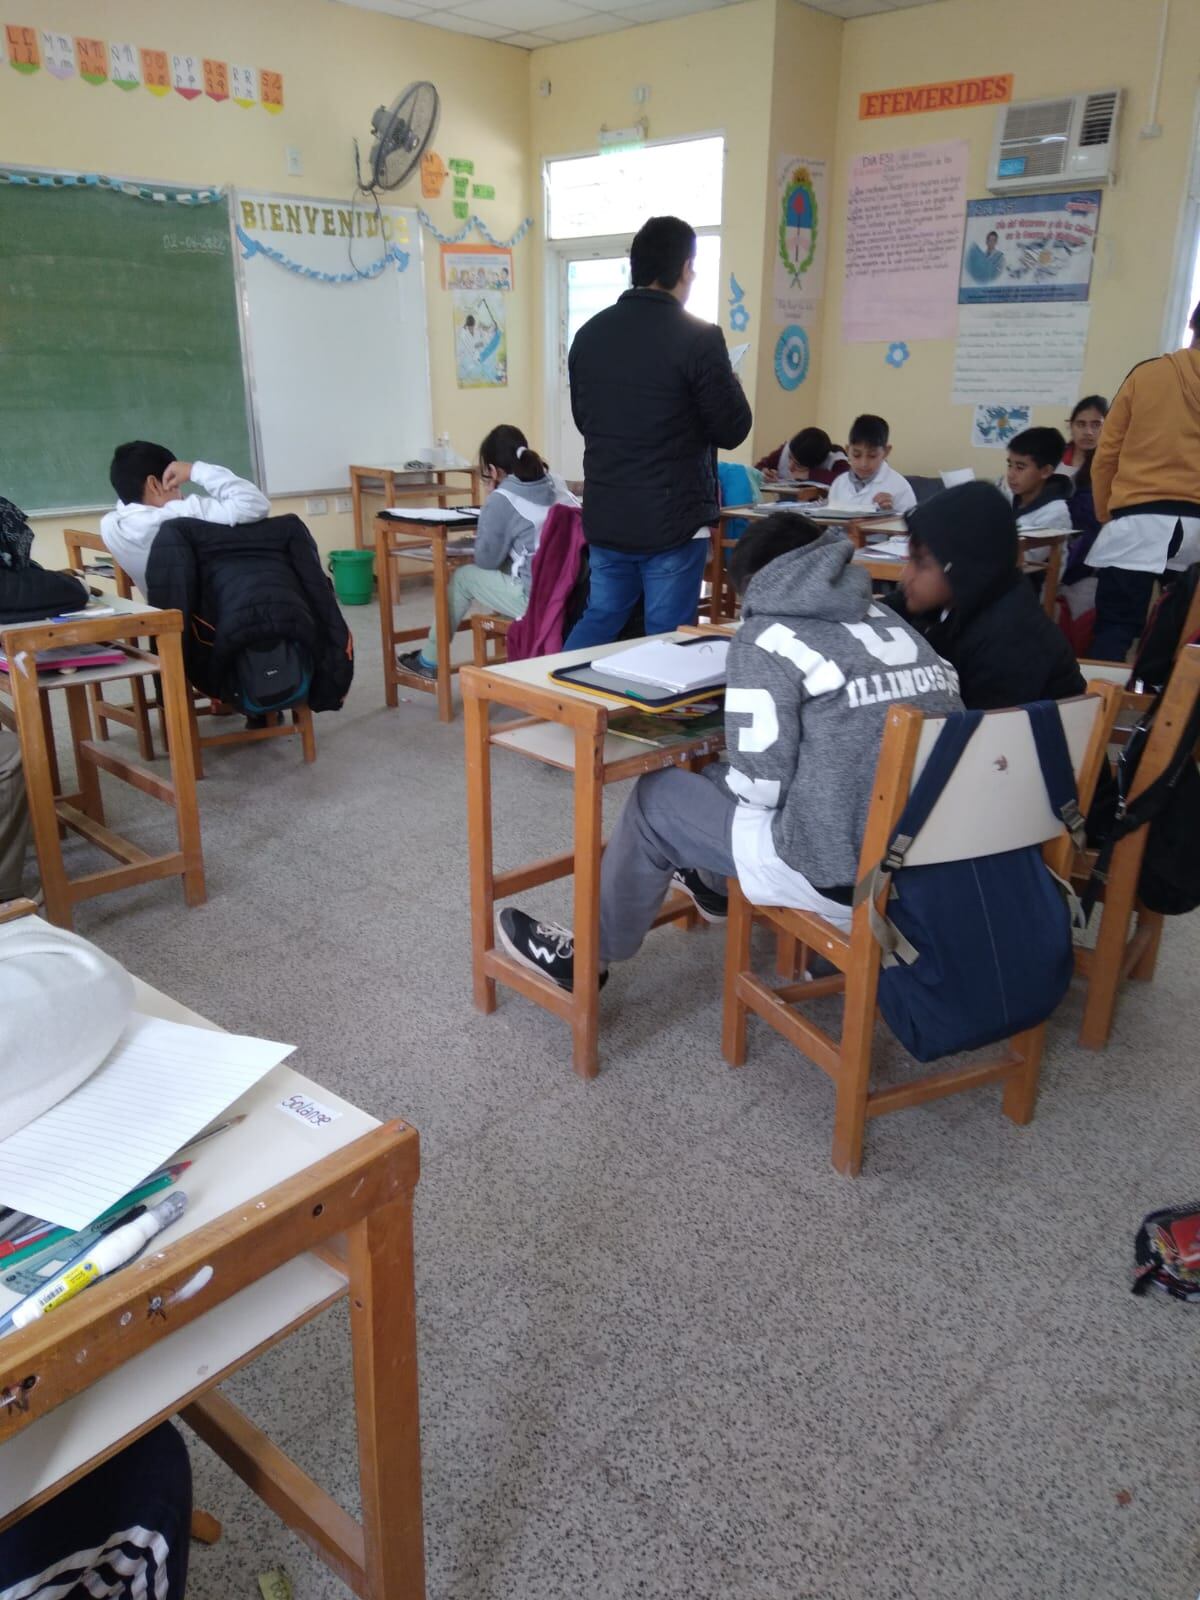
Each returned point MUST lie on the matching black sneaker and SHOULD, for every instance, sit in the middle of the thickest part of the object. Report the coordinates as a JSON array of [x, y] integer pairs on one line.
[[413, 663], [713, 907], [541, 946]]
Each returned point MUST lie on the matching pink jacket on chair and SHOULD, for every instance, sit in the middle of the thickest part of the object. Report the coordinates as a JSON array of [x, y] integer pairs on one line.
[[552, 577]]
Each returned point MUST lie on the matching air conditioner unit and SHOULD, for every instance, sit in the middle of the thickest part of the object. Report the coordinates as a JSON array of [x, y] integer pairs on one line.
[[1055, 144]]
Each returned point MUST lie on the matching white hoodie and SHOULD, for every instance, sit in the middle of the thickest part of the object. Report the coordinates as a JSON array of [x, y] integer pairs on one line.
[[129, 530], [63, 1005]]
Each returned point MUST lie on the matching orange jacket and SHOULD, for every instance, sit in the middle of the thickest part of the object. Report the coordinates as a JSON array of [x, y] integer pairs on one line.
[[1149, 450]]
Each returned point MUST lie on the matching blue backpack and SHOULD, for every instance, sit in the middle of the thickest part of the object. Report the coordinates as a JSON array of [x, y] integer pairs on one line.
[[974, 951]]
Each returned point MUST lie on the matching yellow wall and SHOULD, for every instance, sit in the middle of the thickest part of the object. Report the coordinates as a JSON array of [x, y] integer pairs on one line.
[[1052, 47], [703, 73], [338, 64]]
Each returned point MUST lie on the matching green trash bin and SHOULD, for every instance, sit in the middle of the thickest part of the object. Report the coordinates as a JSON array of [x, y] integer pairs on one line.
[[353, 575]]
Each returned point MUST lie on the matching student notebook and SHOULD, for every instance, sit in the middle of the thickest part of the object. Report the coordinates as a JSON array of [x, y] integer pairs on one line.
[[594, 677], [454, 516], [73, 657], [677, 668]]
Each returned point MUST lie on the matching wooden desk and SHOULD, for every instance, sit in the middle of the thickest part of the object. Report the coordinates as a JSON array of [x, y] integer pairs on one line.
[[289, 1219], [28, 714], [394, 539], [397, 484], [567, 729], [136, 715]]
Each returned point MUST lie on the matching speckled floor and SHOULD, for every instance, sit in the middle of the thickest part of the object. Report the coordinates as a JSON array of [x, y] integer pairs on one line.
[[665, 1351]]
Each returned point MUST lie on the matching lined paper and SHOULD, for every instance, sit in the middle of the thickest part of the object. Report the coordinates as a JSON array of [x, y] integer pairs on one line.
[[159, 1086]]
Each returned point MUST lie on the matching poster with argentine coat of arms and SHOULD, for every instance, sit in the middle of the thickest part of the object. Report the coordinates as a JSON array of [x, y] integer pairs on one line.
[[800, 219]]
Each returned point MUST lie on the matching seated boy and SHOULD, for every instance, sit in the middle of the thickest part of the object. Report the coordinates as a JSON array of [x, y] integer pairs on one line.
[[149, 483], [809, 456], [811, 674], [1033, 485], [871, 484], [962, 588]]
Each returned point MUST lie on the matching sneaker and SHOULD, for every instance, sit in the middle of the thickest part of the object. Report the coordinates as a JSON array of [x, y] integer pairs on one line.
[[713, 907], [415, 663], [543, 947]]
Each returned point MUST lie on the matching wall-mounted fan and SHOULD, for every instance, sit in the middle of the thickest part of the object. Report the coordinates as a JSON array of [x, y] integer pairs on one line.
[[402, 134]]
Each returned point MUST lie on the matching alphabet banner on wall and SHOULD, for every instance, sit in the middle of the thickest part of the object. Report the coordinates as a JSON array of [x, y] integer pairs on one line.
[[1029, 247], [480, 340], [904, 225], [1035, 351], [800, 220]]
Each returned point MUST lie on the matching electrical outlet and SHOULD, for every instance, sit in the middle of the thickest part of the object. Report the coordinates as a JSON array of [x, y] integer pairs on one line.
[[317, 506], [295, 162], [343, 503]]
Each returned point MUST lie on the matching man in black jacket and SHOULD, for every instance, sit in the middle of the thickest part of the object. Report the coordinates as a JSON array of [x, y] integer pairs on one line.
[[654, 396], [962, 588]]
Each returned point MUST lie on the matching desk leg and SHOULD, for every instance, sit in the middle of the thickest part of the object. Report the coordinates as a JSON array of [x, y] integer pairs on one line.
[[441, 610], [442, 498], [589, 794], [383, 1329], [384, 573], [1050, 581], [476, 716], [476, 487], [79, 715], [716, 597], [40, 786], [356, 507], [178, 709]]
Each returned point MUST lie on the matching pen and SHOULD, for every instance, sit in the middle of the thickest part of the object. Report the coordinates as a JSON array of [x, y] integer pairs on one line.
[[45, 1237], [111, 1251]]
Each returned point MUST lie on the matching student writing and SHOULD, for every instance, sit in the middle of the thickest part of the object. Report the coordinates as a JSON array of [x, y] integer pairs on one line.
[[524, 491], [871, 484], [963, 589], [149, 483], [811, 674], [808, 456]]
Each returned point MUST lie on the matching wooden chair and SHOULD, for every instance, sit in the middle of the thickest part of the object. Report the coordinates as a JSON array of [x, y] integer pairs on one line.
[[1129, 933], [135, 714], [995, 801], [489, 631], [278, 726]]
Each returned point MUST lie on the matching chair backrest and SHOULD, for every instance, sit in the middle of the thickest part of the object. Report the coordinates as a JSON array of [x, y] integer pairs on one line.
[[995, 799]]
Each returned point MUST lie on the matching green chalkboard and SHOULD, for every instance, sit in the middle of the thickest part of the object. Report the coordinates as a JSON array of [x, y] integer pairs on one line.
[[118, 320]]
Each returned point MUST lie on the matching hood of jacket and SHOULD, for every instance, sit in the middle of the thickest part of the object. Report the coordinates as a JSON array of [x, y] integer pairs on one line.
[[818, 581], [542, 491], [1186, 366], [972, 531]]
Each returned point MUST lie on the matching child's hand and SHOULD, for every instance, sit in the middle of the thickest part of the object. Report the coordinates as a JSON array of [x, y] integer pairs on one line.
[[176, 475], [884, 501]]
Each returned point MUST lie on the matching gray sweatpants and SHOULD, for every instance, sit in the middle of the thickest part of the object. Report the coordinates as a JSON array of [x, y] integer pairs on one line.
[[673, 818], [14, 817]]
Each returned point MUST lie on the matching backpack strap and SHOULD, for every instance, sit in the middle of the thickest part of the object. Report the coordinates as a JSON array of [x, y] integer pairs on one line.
[[956, 734], [1058, 774]]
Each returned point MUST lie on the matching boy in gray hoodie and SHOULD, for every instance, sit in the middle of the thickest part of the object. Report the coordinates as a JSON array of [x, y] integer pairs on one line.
[[811, 674]]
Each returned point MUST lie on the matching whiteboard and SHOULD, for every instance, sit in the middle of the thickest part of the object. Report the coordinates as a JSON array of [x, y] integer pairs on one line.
[[339, 371]]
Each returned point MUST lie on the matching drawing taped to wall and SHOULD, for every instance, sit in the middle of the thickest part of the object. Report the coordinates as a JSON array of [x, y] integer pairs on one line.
[[800, 237], [1029, 247], [480, 340]]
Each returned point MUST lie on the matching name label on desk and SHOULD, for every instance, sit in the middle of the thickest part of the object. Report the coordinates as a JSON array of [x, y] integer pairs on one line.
[[307, 1110]]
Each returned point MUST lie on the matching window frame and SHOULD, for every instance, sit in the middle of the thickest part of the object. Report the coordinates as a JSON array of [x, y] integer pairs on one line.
[[1187, 246]]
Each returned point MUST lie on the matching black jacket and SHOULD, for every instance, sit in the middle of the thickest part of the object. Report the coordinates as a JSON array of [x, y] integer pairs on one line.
[[248, 585], [30, 593], [654, 396], [996, 636]]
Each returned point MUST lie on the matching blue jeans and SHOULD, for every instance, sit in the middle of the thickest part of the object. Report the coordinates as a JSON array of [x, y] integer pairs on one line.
[[669, 580]]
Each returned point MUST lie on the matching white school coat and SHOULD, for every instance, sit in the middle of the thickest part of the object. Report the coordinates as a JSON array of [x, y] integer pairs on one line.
[[847, 492], [129, 530]]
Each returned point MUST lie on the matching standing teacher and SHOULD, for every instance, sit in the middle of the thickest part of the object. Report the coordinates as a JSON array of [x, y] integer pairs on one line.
[[654, 396]]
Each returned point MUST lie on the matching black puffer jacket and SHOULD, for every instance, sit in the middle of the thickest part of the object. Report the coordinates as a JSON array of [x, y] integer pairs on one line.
[[250, 585], [29, 593], [654, 396], [996, 636]]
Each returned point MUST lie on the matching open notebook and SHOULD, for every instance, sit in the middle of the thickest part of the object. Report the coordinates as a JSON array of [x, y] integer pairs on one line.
[[665, 664]]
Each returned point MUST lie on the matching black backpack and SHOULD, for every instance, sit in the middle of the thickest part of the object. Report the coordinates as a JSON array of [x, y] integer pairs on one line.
[[268, 677], [1163, 634], [1170, 808]]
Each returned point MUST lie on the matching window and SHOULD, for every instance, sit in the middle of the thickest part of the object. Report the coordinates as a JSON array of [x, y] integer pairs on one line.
[[1185, 286], [593, 197]]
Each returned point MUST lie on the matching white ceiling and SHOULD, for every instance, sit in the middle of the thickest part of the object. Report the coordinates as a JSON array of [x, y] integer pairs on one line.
[[527, 24]]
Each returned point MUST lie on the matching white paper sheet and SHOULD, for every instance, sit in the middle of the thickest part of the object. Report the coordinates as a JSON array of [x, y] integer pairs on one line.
[[429, 514], [670, 666], [1035, 351], [161, 1084]]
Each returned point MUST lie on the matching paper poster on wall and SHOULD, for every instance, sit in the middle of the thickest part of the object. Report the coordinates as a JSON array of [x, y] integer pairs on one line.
[[155, 72], [996, 424], [92, 58], [1035, 351], [477, 266], [434, 173], [800, 219], [1029, 247], [124, 66], [904, 221], [58, 54], [480, 343], [24, 53]]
